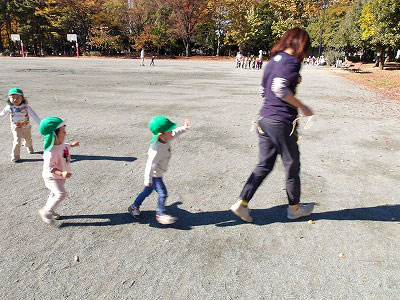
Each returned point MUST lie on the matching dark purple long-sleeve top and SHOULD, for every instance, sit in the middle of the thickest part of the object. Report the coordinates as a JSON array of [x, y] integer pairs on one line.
[[280, 79]]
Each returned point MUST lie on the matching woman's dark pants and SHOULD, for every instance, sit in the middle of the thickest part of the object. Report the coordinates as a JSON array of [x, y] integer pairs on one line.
[[276, 140]]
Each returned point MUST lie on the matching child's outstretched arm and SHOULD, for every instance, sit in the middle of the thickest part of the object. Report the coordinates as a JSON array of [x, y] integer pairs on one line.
[[34, 116], [5, 111], [182, 129]]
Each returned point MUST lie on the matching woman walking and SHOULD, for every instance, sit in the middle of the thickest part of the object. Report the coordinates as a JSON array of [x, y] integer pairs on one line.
[[275, 125]]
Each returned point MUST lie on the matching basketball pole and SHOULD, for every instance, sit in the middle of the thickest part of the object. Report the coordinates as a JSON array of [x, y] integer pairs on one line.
[[22, 49], [77, 49]]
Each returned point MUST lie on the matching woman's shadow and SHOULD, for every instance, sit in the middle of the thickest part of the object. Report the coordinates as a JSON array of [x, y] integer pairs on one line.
[[277, 214]]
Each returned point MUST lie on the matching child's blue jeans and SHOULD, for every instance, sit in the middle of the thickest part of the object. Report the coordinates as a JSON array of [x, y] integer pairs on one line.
[[161, 190]]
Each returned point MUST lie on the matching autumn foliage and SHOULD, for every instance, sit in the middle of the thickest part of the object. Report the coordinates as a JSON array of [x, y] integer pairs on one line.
[[184, 27]]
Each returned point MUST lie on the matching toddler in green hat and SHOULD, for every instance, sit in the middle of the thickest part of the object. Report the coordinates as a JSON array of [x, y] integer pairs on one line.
[[157, 163], [56, 165], [19, 111]]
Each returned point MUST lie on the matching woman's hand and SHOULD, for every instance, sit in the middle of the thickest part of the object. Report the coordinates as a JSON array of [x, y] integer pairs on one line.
[[306, 110]]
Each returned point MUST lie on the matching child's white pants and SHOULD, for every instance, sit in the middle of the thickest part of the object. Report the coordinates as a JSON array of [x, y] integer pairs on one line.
[[19, 134], [57, 193]]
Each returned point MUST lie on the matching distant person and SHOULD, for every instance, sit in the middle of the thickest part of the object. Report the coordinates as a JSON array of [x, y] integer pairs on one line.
[[56, 165], [249, 61], [398, 56], [157, 163], [152, 60], [260, 58], [19, 111], [275, 125], [142, 57], [322, 61], [238, 59]]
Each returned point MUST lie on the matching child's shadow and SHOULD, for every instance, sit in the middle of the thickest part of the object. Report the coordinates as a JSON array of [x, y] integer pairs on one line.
[[103, 220], [75, 158], [277, 214]]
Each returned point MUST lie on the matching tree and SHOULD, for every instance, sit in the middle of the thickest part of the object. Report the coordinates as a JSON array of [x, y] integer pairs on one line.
[[349, 33], [292, 13], [250, 25], [324, 28], [380, 24], [76, 16], [186, 15]]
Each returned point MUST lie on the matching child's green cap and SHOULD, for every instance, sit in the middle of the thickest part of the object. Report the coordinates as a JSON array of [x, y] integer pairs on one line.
[[15, 91], [47, 127], [160, 124]]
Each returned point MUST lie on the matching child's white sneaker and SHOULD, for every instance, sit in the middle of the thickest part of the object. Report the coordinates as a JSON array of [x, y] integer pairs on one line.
[[241, 211], [47, 217], [55, 215], [165, 219], [299, 210], [135, 212]]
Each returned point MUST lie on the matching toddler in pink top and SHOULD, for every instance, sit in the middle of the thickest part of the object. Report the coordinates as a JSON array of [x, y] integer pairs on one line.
[[56, 165]]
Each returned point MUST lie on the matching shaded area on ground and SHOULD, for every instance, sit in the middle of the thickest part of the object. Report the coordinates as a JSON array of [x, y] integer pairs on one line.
[[277, 214]]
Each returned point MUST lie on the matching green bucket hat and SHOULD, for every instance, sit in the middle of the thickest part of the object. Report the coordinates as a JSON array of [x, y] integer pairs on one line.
[[47, 127], [15, 91], [160, 124]]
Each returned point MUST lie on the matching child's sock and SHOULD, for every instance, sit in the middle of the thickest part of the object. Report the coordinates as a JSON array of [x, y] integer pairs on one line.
[[294, 207]]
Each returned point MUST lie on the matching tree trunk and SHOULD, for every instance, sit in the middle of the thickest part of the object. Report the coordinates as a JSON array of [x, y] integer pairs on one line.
[[382, 59], [8, 31], [187, 46], [218, 44]]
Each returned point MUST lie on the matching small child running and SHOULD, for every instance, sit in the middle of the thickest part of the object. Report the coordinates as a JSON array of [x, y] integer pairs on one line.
[[19, 111], [56, 165], [157, 163]]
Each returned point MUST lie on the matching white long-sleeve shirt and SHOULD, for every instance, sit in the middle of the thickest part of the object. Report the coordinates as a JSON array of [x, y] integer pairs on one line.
[[158, 157], [19, 115]]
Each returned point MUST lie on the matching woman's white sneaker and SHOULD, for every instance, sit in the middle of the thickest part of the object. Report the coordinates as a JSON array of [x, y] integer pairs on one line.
[[299, 210], [241, 211]]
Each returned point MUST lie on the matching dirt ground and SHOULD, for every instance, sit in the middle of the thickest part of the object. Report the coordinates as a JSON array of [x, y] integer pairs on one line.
[[386, 82], [350, 168]]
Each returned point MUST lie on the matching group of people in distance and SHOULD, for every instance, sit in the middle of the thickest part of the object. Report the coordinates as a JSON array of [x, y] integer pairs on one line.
[[315, 61], [276, 132], [250, 61]]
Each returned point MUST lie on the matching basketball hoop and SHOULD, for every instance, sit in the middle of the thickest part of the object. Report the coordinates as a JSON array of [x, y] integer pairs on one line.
[[15, 37], [72, 37]]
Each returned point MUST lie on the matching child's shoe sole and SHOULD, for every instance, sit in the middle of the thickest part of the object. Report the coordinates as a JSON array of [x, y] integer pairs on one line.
[[166, 219]]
